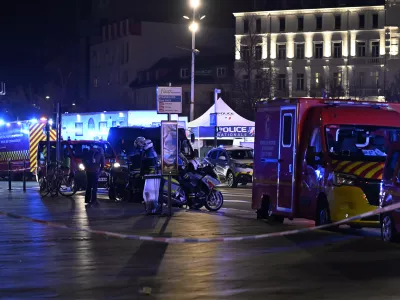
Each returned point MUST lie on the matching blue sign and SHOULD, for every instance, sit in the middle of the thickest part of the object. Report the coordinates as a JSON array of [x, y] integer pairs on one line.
[[225, 131], [213, 119]]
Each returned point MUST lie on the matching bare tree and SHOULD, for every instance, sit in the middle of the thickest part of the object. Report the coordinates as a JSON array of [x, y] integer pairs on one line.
[[61, 84], [254, 74]]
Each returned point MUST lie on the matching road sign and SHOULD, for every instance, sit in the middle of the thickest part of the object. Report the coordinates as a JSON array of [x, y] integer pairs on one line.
[[213, 119], [169, 100]]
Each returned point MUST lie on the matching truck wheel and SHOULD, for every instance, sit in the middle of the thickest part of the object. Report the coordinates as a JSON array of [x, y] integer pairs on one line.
[[231, 180], [388, 229], [265, 212], [323, 216]]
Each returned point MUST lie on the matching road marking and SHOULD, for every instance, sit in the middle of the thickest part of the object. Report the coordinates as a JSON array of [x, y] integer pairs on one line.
[[237, 201]]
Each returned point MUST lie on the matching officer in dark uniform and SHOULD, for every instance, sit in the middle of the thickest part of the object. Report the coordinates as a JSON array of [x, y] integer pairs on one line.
[[94, 165]]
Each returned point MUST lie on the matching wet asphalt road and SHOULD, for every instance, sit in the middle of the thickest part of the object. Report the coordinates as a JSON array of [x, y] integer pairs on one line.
[[44, 262]]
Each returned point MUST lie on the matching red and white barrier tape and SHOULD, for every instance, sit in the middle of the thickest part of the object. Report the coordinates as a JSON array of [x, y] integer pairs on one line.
[[204, 240]]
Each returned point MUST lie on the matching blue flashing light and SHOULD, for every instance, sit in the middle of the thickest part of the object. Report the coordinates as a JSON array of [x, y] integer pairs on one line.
[[2, 122], [34, 121]]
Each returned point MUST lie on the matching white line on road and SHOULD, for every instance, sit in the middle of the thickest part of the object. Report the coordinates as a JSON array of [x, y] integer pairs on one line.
[[237, 201]]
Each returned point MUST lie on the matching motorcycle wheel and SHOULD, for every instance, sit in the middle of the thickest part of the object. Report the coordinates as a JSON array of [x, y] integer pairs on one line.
[[214, 201]]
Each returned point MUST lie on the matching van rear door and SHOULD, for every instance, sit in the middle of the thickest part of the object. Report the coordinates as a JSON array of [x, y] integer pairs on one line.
[[286, 159]]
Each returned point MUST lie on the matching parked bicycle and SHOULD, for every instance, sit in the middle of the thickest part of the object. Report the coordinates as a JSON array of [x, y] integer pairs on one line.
[[58, 180]]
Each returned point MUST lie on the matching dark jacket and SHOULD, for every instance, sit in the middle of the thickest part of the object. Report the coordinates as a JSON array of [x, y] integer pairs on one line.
[[95, 161]]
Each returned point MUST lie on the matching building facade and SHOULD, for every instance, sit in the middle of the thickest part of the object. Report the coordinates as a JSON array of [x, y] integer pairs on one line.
[[326, 52], [212, 72], [128, 47]]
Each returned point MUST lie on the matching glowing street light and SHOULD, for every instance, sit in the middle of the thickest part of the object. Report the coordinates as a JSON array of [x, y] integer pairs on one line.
[[194, 3], [47, 97], [194, 27]]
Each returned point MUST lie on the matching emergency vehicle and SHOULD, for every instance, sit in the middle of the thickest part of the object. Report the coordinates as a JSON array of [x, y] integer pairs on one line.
[[321, 159], [18, 144], [390, 194]]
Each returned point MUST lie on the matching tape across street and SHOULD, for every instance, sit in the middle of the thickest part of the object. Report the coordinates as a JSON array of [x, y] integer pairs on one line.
[[173, 240]]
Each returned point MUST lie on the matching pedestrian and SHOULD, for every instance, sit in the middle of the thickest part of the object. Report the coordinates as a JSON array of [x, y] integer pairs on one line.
[[94, 165]]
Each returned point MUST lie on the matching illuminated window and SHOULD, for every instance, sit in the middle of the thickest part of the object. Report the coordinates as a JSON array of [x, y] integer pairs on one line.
[[375, 49], [281, 82], [300, 51], [317, 80], [102, 126], [337, 49], [300, 81], [337, 79], [91, 124], [258, 52], [78, 129], [258, 25], [282, 51], [361, 49], [338, 22], [282, 24], [245, 53], [184, 73], [318, 50], [361, 21], [375, 20], [319, 22], [246, 26], [300, 23]]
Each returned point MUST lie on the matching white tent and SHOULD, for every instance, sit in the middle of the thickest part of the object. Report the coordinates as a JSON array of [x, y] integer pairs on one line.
[[226, 117]]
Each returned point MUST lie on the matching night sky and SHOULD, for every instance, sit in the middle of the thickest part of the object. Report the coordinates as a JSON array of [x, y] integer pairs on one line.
[[33, 32]]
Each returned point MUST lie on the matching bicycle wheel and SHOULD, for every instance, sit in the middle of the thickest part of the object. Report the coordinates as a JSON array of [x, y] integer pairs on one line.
[[44, 188], [67, 186]]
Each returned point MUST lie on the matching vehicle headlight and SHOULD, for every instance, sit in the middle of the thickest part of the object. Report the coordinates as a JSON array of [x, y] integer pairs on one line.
[[81, 167], [343, 179], [117, 165]]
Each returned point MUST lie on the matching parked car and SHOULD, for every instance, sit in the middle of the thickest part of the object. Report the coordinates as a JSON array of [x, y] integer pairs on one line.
[[390, 194], [233, 164]]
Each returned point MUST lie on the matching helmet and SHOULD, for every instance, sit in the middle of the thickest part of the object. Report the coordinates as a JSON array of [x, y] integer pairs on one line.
[[140, 143]]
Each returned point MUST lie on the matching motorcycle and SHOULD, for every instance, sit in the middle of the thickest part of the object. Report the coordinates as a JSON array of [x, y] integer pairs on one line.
[[194, 188]]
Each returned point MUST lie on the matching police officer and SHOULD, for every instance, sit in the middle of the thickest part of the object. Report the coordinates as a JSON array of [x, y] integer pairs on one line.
[[149, 166], [94, 166]]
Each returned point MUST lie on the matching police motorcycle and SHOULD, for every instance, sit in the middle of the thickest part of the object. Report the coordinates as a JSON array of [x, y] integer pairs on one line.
[[195, 188]]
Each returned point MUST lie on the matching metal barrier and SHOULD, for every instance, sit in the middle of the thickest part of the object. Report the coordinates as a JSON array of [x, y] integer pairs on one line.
[[10, 172]]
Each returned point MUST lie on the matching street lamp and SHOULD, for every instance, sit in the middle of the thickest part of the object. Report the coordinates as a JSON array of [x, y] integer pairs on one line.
[[194, 27], [47, 97]]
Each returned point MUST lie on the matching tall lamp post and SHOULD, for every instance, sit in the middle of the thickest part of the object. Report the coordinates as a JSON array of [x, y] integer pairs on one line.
[[194, 26]]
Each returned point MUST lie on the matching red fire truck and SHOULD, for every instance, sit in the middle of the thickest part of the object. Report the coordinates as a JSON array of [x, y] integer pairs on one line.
[[18, 146], [321, 159]]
